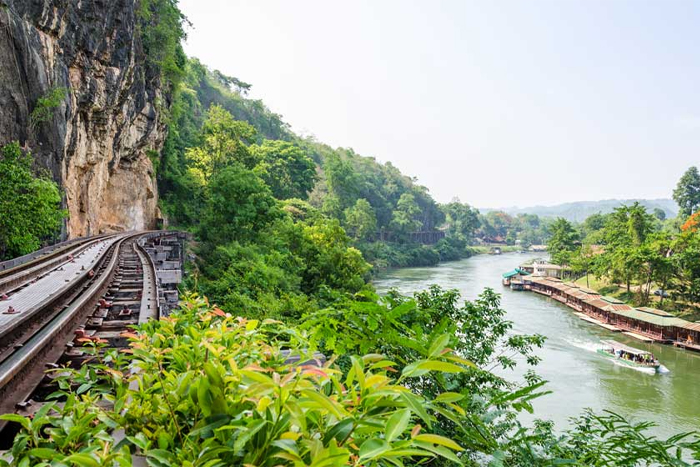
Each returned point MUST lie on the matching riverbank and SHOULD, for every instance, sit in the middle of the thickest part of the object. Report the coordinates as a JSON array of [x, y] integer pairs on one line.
[[577, 375], [645, 324], [387, 255]]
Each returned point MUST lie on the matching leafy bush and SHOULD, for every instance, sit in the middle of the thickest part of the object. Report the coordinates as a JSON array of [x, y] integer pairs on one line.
[[210, 389], [30, 209], [46, 106]]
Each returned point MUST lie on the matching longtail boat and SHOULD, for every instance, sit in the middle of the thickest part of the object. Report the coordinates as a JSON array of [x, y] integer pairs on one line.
[[629, 355]]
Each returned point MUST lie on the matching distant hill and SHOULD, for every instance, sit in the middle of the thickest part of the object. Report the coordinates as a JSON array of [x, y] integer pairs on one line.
[[580, 210]]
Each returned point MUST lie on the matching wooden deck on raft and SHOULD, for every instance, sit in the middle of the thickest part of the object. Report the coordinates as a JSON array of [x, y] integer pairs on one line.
[[585, 317], [685, 345], [641, 337]]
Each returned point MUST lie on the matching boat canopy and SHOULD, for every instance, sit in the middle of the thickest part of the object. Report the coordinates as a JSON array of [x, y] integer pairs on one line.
[[625, 348], [515, 272]]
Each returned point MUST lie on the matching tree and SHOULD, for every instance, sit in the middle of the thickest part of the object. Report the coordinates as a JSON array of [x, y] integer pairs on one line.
[[686, 267], [626, 231], [29, 204], [240, 205], [287, 170], [462, 220], [342, 179], [328, 261], [563, 241], [224, 141], [659, 213], [404, 219], [581, 261], [360, 220], [687, 192]]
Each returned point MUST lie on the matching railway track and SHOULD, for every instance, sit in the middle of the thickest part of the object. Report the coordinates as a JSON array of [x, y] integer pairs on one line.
[[107, 287], [16, 277]]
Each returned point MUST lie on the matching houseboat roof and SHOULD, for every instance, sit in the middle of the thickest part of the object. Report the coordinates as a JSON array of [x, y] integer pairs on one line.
[[581, 294], [515, 272], [617, 346], [650, 317], [612, 300], [688, 325], [654, 311], [597, 302]]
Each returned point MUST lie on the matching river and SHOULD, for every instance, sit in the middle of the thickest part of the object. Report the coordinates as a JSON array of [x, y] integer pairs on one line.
[[577, 376]]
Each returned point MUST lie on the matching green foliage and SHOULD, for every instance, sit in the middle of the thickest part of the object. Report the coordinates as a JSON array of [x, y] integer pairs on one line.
[[223, 142], [385, 255], [360, 220], [348, 177], [525, 229], [286, 169], [563, 240], [462, 220], [659, 213], [405, 217], [216, 390], [29, 204], [238, 205], [45, 107], [687, 192], [162, 28]]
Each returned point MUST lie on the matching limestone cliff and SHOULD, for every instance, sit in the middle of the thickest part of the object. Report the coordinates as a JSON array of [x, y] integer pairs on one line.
[[96, 142]]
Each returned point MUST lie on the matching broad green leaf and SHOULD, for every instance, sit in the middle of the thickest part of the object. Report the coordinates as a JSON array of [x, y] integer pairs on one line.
[[248, 433], [11, 417], [45, 453], [162, 456], [323, 402], [82, 460], [408, 452], [438, 345], [441, 440], [449, 397], [372, 448], [396, 424], [441, 451], [416, 405], [340, 431], [443, 367]]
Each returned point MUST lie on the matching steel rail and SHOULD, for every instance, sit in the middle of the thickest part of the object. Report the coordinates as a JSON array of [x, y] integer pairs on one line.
[[13, 266], [25, 273], [58, 294], [58, 328]]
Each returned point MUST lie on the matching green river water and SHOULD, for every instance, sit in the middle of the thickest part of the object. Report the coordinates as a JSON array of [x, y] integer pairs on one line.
[[578, 376]]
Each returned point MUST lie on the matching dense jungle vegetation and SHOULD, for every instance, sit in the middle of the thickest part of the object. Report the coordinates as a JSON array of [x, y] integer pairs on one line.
[[640, 257], [285, 229]]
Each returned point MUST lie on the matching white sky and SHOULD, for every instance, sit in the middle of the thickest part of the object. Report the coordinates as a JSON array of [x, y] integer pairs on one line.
[[499, 103]]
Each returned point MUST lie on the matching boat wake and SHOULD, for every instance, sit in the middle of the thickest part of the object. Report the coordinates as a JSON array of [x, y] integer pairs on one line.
[[586, 345], [595, 346], [649, 371]]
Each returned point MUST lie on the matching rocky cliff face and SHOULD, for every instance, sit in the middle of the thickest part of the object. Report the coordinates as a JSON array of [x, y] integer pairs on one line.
[[96, 142]]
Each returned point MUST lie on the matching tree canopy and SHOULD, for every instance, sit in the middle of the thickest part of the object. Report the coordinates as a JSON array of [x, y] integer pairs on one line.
[[687, 192], [30, 209]]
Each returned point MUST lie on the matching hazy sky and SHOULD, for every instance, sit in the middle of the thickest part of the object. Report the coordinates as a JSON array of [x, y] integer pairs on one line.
[[499, 103]]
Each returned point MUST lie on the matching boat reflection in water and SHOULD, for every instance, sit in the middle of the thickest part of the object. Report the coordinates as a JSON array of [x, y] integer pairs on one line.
[[629, 355]]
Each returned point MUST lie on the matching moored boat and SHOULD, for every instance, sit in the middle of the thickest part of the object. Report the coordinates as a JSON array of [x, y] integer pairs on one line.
[[629, 355]]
